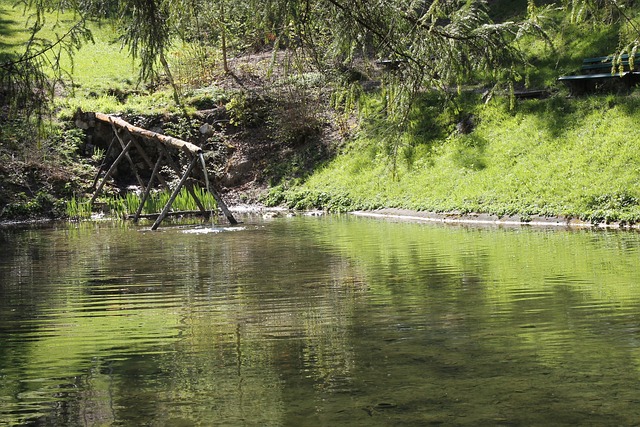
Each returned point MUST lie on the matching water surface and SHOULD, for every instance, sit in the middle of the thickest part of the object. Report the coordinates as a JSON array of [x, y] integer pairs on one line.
[[318, 322]]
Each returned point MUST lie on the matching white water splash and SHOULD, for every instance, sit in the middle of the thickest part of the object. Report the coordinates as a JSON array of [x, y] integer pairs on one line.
[[214, 230]]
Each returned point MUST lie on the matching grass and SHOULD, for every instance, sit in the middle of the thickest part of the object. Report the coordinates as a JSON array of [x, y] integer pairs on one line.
[[101, 64], [554, 157], [101, 75]]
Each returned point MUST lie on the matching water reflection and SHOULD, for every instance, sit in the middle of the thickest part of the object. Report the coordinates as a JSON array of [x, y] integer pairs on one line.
[[308, 321]]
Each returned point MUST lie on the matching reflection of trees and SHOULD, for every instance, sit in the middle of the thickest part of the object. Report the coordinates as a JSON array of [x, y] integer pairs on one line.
[[222, 315], [488, 326], [318, 322]]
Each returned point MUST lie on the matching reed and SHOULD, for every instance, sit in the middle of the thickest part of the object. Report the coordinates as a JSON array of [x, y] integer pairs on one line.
[[121, 206], [78, 209]]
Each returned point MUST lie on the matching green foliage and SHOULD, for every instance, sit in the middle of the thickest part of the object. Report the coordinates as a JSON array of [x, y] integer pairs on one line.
[[66, 142], [610, 207], [40, 206], [430, 38], [32, 66], [158, 102], [469, 152], [238, 110], [207, 98], [520, 158], [308, 200], [182, 128]]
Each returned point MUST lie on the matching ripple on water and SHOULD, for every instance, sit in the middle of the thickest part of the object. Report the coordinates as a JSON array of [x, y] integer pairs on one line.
[[320, 323]]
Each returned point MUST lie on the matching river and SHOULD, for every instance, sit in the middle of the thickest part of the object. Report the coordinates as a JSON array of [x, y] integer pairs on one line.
[[318, 321]]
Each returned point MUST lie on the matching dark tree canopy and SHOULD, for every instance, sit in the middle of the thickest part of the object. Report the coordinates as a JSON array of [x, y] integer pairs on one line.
[[440, 43]]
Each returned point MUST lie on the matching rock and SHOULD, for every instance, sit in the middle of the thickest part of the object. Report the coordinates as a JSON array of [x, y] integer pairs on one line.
[[466, 125], [207, 130], [238, 171], [271, 215]]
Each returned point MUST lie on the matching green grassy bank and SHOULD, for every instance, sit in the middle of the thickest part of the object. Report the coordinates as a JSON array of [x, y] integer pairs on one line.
[[575, 157]]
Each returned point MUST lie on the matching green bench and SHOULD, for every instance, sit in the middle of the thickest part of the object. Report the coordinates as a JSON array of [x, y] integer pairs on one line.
[[598, 73]]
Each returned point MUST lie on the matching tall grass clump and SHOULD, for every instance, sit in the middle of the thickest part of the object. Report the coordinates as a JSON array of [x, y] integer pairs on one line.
[[122, 206], [78, 209]]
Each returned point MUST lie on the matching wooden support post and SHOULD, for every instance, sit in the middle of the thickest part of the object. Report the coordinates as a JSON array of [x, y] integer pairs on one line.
[[145, 196], [110, 171], [223, 207], [174, 194], [131, 163], [103, 164]]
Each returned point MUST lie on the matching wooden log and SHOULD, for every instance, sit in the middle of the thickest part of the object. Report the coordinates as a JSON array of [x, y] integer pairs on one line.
[[172, 213], [164, 139]]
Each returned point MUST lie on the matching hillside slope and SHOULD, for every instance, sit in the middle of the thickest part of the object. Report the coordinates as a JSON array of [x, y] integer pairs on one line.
[[573, 157]]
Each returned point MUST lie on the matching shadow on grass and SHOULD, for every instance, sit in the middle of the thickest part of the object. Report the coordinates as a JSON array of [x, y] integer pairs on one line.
[[8, 29], [556, 114], [559, 114], [581, 42]]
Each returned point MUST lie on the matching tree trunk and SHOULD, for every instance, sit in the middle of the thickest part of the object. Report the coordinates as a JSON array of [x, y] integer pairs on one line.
[[224, 37]]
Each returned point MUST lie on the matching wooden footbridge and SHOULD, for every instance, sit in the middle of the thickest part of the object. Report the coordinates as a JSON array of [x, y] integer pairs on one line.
[[127, 137]]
